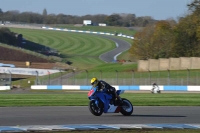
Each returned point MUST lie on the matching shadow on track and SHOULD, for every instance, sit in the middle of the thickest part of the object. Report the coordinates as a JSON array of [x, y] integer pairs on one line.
[[147, 116]]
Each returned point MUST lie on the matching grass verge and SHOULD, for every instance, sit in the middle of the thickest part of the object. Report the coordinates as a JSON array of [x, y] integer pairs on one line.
[[69, 98]]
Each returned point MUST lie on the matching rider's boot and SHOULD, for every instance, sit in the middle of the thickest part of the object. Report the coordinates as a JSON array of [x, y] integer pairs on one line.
[[119, 100], [152, 90]]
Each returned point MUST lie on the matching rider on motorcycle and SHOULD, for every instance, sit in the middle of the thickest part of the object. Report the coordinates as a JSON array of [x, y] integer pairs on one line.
[[155, 88], [101, 85]]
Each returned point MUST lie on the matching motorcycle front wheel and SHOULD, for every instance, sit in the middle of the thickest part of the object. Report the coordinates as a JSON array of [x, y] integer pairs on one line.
[[127, 107], [94, 109]]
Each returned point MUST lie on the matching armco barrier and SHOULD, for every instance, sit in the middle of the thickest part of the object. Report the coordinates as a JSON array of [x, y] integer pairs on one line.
[[92, 32], [128, 88], [4, 87]]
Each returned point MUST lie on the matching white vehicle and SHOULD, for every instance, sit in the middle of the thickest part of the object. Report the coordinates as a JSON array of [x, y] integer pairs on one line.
[[155, 88]]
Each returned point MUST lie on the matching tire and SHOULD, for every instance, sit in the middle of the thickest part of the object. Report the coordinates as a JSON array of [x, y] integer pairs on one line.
[[127, 107], [94, 109]]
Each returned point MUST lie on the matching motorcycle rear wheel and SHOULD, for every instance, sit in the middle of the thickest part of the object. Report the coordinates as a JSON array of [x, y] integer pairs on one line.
[[127, 107], [97, 111]]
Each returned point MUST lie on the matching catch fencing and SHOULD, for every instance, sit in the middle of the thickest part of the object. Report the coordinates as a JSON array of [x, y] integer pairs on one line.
[[5, 79], [184, 77]]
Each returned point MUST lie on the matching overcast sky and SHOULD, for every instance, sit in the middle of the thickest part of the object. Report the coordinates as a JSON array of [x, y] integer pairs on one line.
[[157, 9]]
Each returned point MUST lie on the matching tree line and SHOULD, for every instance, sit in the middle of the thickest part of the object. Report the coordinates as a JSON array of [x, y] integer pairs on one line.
[[8, 37], [169, 38], [125, 20]]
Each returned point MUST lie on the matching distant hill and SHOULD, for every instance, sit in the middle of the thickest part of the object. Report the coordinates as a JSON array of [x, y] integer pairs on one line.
[[9, 54], [18, 58]]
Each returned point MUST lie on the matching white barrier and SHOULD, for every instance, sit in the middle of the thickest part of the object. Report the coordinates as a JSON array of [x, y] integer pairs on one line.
[[102, 33], [28, 71], [4, 87], [129, 88]]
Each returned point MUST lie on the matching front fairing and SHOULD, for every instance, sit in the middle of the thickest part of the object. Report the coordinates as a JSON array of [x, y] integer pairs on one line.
[[100, 95], [92, 92]]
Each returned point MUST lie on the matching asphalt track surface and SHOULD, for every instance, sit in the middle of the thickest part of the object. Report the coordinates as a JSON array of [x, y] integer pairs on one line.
[[121, 46], [13, 116]]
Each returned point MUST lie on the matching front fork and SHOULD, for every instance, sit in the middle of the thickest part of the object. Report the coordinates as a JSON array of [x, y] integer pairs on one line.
[[98, 103]]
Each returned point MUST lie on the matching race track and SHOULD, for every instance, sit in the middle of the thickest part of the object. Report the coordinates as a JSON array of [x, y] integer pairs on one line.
[[62, 115], [109, 56], [121, 46], [13, 116]]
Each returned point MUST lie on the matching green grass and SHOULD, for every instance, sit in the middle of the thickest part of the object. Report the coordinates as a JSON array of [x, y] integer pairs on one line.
[[112, 67], [67, 98], [81, 49]]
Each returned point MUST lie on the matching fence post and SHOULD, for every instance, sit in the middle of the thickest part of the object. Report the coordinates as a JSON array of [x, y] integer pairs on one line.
[[188, 76], [150, 76], [36, 78], [86, 77], [60, 77], [117, 76], [158, 76], [10, 78], [49, 78], [74, 76], [133, 77], [101, 74], [197, 77], [168, 76], [5, 77]]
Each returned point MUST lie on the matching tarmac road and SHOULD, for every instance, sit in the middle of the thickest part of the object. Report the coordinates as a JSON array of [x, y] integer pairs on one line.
[[122, 46], [12, 116]]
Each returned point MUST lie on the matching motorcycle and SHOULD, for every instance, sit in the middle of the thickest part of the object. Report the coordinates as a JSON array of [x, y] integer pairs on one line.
[[155, 89], [102, 102]]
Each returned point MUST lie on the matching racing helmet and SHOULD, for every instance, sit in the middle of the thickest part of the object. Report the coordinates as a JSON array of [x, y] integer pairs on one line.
[[154, 83], [94, 82]]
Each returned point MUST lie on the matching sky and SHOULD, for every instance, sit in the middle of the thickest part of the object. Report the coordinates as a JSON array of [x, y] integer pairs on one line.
[[157, 9]]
